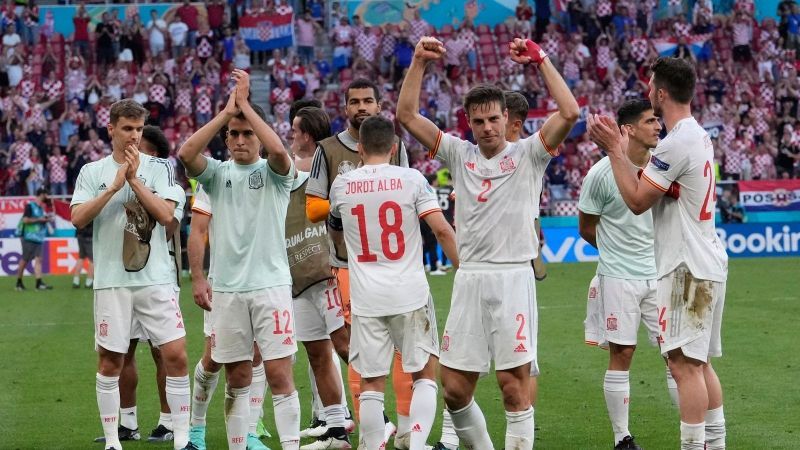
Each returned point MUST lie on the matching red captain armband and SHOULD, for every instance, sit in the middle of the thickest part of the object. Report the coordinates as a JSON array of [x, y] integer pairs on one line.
[[674, 190], [534, 51]]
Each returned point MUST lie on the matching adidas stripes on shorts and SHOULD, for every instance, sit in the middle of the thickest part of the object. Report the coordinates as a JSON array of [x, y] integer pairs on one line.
[[265, 316]]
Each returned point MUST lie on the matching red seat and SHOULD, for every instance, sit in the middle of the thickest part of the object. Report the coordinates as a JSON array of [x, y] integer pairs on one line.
[[485, 39], [491, 72], [483, 29], [500, 28]]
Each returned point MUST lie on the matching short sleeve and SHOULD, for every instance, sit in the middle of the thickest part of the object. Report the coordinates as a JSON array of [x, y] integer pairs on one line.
[[84, 190], [318, 178], [285, 182], [28, 211], [426, 200], [667, 163], [334, 210], [207, 176], [164, 180], [594, 195], [180, 204], [538, 151], [446, 148]]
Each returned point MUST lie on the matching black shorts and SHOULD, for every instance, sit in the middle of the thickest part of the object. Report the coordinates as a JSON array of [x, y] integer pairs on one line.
[[85, 247], [31, 250]]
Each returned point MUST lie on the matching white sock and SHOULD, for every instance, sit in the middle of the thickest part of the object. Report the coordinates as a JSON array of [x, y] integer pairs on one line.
[[287, 419], [519, 429], [334, 415], [337, 363], [672, 388], [165, 419], [316, 403], [127, 418], [403, 424], [107, 389], [204, 385], [179, 398], [423, 411], [77, 280], [89, 282], [258, 386], [715, 429], [470, 426], [617, 390], [449, 437], [237, 413], [693, 436], [371, 427]]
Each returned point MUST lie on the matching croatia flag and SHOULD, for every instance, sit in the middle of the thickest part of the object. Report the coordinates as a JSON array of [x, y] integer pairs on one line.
[[267, 31]]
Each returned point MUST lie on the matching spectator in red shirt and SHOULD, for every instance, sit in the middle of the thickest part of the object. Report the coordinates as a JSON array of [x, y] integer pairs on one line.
[[524, 12], [216, 17], [80, 39], [188, 14]]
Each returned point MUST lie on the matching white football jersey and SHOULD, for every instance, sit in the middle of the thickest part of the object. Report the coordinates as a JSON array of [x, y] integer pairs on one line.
[[684, 228], [496, 198], [380, 207]]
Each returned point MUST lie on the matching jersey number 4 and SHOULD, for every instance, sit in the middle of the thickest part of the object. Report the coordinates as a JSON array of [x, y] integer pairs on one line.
[[387, 231]]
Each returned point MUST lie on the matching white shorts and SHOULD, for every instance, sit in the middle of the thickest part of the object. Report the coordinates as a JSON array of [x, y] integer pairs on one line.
[[493, 316], [318, 311], [265, 316], [691, 312], [626, 303], [373, 341], [153, 309], [207, 328], [137, 330]]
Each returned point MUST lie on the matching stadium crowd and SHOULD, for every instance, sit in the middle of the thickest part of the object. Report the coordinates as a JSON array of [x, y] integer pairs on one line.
[[56, 91]]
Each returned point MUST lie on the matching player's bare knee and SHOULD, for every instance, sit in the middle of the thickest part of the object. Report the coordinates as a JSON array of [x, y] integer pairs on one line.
[[239, 374], [279, 375], [110, 363], [620, 356], [341, 343], [377, 384]]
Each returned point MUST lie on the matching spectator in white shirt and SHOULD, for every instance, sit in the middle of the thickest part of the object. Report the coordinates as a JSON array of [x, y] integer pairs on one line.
[[157, 29], [177, 33]]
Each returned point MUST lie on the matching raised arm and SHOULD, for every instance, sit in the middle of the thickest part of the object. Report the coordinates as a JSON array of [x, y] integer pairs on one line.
[[426, 132], [163, 211], [191, 152], [277, 156], [557, 126], [81, 215]]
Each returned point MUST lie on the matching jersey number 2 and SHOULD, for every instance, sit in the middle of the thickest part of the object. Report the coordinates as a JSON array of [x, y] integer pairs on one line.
[[705, 212], [487, 184], [387, 230]]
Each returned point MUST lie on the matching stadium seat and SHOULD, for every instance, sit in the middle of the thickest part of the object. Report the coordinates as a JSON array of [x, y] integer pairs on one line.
[[486, 49], [446, 31], [485, 39], [483, 30], [491, 72]]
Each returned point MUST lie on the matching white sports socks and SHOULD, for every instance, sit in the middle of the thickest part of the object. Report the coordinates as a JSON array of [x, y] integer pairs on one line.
[[237, 413], [258, 387], [422, 411], [107, 389], [519, 429], [715, 429], [693, 436], [672, 388], [371, 413], [470, 426], [204, 385], [617, 390], [179, 400], [127, 418], [449, 437], [287, 419]]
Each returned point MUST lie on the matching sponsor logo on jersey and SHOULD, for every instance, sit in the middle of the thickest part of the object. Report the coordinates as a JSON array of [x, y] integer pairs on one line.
[[611, 323], [469, 165], [521, 348], [103, 329], [344, 167], [228, 184], [659, 163], [256, 180], [102, 187]]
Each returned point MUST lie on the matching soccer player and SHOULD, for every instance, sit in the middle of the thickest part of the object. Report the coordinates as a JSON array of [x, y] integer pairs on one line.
[[334, 156], [691, 261], [85, 257], [252, 285], [206, 372], [493, 309], [317, 305], [155, 144], [33, 231], [517, 106], [375, 211], [142, 187], [626, 271]]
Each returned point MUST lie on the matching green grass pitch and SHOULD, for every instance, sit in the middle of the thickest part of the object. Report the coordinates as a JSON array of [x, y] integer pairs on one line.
[[47, 398]]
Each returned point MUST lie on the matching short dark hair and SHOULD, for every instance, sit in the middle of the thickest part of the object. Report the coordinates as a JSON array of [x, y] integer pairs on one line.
[[676, 76], [300, 104], [517, 105], [157, 139], [362, 83], [484, 94], [129, 109], [223, 133], [315, 122], [631, 111], [376, 135]]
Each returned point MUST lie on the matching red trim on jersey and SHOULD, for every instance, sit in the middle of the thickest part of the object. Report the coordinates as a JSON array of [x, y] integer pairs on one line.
[[655, 185], [203, 212], [429, 212], [553, 152], [435, 149]]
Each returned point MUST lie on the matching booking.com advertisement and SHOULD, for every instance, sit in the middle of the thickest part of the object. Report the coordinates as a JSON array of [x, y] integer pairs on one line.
[[561, 245]]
